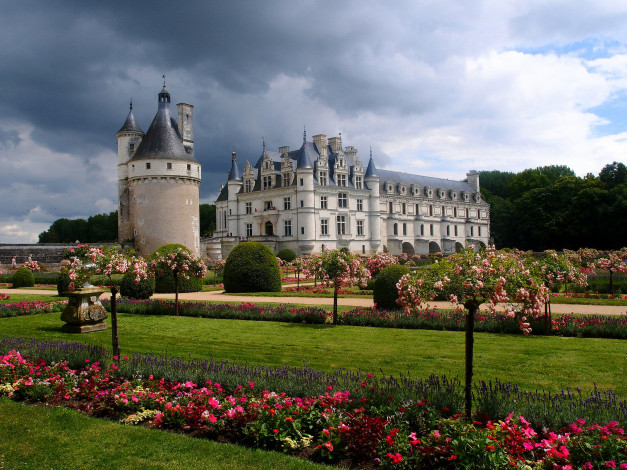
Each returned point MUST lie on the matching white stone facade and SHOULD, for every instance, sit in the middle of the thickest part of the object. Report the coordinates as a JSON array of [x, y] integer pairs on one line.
[[320, 196]]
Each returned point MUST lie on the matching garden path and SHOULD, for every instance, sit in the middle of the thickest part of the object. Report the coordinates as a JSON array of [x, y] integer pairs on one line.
[[219, 296]]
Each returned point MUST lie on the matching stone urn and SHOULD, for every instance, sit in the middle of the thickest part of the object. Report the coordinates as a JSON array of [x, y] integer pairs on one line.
[[84, 312]]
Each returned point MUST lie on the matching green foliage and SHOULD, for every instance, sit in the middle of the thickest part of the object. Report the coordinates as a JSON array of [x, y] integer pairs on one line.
[[207, 213], [97, 228], [140, 290], [252, 267], [286, 254], [385, 293], [63, 281], [23, 277], [164, 282]]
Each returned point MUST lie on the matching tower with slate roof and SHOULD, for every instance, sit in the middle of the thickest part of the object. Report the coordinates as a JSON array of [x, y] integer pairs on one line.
[[158, 180]]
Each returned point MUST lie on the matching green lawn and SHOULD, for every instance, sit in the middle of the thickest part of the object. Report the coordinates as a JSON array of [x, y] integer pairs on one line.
[[532, 362], [38, 437], [24, 296]]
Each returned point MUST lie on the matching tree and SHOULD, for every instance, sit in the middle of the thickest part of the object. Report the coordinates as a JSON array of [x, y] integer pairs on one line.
[[613, 263], [340, 267], [470, 278], [207, 214], [613, 174], [182, 264]]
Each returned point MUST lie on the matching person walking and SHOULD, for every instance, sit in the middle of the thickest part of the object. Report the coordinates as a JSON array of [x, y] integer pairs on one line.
[[14, 262]]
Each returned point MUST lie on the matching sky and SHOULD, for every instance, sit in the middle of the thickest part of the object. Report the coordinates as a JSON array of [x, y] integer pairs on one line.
[[434, 87]]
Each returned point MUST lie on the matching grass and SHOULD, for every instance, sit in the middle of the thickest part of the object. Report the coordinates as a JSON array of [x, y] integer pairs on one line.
[[39, 437], [533, 362], [584, 301], [20, 296]]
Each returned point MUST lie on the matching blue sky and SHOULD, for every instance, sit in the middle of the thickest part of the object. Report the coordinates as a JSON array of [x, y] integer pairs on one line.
[[434, 87]]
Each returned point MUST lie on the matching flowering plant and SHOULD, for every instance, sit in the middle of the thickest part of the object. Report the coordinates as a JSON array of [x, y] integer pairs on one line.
[[32, 265], [379, 261]]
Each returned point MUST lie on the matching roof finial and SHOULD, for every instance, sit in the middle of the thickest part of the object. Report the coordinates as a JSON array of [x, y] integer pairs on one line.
[[371, 151], [164, 80], [131, 104], [263, 140], [304, 134], [233, 155]]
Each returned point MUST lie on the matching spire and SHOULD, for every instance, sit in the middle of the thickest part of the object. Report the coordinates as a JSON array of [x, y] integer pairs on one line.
[[234, 173], [130, 125], [371, 171], [263, 141], [304, 134]]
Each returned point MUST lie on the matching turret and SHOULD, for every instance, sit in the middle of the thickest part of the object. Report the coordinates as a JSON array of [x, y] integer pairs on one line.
[[234, 186], [305, 193], [371, 179]]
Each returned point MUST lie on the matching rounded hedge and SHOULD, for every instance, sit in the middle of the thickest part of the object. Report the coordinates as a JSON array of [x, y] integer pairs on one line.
[[23, 277], [164, 283], [141, 290], [286, 254], [252, 267], [385, 293], [63, 281]]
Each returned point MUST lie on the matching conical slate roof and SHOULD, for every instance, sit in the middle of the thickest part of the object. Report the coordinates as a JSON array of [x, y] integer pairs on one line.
[[163, 140], [307, 155], [371, 171], [130, 125], [234, 173]]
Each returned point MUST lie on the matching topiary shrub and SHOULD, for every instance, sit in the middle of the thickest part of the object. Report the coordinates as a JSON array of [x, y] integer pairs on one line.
[[23, 277], [385, 292], [252, 267], [63, 281], [141, 290], [286, 254], [165, 282]]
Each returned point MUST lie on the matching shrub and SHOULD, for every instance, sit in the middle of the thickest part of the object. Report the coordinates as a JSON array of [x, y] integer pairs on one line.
[[63, 281], [252, 267], [140, 290], [286, 254], [23, 277], [385, 292], [164, 283]]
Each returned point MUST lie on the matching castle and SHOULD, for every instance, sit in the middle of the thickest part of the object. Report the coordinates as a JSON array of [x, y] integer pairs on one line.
[[321, 196], [158, 180]]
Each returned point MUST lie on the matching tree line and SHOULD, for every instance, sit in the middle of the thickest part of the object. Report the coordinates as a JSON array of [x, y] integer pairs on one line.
[[551, 208], [104, 227]]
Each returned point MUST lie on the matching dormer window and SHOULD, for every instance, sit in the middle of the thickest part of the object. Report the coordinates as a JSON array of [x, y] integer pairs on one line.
[[341, 180], [267, 182], [323, 178], [248, 186], [359, 182]]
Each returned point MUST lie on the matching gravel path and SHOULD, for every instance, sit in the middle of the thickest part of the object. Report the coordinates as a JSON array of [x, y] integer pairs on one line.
[[219, 296]]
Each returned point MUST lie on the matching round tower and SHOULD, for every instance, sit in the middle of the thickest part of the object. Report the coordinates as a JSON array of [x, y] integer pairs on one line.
[[371, 179], [305, 193], [164, 179], [129, 137]]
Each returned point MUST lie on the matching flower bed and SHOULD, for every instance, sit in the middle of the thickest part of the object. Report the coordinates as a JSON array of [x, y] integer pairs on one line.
[[29, 308], [362, 426], [325, 290]]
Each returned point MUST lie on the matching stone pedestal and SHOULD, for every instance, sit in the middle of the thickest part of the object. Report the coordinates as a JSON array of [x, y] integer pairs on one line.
[[84, 312]]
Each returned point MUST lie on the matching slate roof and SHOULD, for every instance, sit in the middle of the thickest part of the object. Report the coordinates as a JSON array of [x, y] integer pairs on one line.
[[130, 125]]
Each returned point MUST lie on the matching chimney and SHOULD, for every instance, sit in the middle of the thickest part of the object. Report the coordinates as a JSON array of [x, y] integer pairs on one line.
[[284, 149], [473, 180], [336, 144], [186, 125], [321, 144]]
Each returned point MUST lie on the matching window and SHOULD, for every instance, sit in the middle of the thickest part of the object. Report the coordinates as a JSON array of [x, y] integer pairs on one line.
[[360, 205], [341, 225], [479, 230], [287, 226], [169, 165], [467, 213], [267, 206], [323, 202], [249, 230], [431, 229], [286, 179], [267, 182], [422, 230], [472, 231], [131, 147], [404, 208], [395, 229], [248, 186], [360, 227], [417, 209], [148, 166], [430, 210], [302, 203], [324, 226], [342, 200], [341, 180], [249, 207], [454, 211], [302, 230], [455, 226], [189, 167], [302, 182], [323, 178], [358, 182], [404, 229], [287, 203], [448, 230]]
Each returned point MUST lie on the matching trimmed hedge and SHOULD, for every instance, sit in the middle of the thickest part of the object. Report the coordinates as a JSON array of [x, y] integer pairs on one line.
[[286, 254], [165, 283], [141, 290], [23, 277], [385, 293], [252, 267]]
